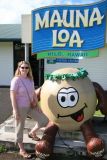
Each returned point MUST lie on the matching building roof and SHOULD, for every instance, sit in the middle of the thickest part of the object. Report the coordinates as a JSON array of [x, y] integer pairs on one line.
[[10, 32]]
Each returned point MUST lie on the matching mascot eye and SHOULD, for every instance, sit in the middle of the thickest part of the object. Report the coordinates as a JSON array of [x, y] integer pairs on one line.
[[72, 98], [63, 99], [67, 97]]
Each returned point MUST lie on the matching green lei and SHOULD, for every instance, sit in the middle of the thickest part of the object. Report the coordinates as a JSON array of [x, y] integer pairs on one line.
[[82, 73]]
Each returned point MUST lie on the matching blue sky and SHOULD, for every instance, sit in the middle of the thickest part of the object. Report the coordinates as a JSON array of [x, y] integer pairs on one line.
[[11, 10]]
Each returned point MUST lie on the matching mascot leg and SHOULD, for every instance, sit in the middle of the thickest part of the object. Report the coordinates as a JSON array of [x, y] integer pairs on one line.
[[44, 147], [95, 145]]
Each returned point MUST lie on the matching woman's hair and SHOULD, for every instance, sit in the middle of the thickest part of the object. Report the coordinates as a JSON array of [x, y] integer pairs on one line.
[[18, 73]]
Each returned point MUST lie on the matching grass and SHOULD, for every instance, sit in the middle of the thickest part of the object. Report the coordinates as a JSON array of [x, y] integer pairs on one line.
[[98, 114]]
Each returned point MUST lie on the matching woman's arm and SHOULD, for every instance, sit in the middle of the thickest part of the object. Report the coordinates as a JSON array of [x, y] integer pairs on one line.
[[14, 104]]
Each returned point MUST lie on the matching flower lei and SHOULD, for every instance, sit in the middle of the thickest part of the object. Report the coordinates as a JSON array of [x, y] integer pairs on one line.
[[81, 73]]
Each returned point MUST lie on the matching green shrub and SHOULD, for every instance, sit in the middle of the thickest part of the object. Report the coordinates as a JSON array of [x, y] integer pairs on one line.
[[2, 148]]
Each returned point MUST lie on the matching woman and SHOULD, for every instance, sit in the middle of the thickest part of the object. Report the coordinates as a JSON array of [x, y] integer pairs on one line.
[[22, 94]]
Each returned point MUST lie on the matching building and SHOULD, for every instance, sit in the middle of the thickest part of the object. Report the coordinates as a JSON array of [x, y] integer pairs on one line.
[[12, 50], [15, 45]]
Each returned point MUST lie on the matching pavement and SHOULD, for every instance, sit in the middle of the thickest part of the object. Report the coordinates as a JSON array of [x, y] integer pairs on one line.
[[65, 142], [7, 129], [7, 136], [16, 156]]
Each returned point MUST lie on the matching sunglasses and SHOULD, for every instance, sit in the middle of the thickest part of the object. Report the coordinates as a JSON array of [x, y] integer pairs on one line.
[[24, 67]]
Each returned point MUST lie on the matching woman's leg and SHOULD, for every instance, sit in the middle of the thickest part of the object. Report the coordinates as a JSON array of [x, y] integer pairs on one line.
[[32, 133], [35, 128], [40, 118], [20, 127]]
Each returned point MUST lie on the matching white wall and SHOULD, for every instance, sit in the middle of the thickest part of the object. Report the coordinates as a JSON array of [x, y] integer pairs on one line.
[[96, 67], [26, 29], [6, 62]]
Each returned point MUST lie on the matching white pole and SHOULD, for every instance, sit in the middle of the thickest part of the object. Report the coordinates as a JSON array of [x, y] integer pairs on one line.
[[26, 51]]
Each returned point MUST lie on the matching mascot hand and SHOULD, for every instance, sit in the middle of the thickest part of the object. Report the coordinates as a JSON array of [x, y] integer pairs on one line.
[[95, 145]]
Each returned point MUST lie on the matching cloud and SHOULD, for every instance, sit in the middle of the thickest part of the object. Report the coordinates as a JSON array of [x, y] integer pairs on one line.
[[8, 16], [11, 11]]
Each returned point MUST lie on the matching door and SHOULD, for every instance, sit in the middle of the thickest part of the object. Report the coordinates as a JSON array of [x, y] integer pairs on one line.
[[36, 65]]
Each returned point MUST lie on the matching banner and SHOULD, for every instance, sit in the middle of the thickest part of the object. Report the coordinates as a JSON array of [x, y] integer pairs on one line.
[[69, 27], [60, 60], [68, 54]]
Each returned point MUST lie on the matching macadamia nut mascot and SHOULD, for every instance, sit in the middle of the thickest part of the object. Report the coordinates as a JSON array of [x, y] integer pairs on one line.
[[69, 100]]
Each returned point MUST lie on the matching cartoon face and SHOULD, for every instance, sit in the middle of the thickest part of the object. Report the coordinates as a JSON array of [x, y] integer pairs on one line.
[[68, 97], [68, 103]]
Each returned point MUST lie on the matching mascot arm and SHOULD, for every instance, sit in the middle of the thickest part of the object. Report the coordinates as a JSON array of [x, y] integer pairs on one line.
[[101, 95]]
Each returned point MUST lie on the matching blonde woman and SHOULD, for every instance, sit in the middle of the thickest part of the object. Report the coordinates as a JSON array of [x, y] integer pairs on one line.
[[22, 93]]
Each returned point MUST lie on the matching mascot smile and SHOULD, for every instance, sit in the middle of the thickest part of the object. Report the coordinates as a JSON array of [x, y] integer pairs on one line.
[[78, 116]]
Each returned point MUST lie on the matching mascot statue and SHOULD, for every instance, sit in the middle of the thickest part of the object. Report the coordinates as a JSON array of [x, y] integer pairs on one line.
[[69, 100]]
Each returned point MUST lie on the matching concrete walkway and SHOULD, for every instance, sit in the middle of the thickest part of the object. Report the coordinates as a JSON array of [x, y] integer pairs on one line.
[[74, 141], [66, 142]]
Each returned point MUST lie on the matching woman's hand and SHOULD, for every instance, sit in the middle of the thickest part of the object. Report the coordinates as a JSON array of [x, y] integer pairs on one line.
[[38, 92], [16, 115], [38, 109]]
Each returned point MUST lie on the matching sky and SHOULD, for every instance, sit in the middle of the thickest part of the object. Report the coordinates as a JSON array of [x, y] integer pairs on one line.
[[11, 10]]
